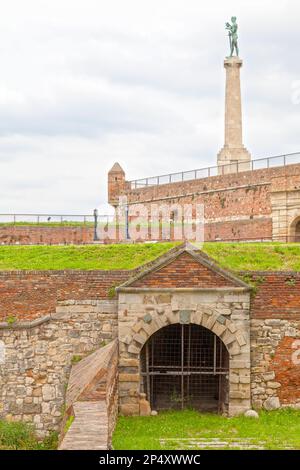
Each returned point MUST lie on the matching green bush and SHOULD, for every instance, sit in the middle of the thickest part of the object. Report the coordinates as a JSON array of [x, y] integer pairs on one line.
[[21, 436]]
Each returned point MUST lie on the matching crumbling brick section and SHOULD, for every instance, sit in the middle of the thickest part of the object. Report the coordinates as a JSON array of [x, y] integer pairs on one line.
[[286, 365]]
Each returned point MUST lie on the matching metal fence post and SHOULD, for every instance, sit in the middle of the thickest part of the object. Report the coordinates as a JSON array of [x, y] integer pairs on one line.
[[95, 224]]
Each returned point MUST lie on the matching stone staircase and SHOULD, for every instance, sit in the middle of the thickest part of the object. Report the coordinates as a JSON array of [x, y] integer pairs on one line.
[[91, 400]]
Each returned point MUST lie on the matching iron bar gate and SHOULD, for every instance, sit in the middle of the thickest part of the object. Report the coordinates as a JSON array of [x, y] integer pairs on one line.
[[185, 365]]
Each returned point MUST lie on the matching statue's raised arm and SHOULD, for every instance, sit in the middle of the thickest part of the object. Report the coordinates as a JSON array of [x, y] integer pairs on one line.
[[233, 36]]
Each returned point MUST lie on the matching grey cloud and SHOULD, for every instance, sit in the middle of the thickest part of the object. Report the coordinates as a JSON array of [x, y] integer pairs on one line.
[[84, 84]]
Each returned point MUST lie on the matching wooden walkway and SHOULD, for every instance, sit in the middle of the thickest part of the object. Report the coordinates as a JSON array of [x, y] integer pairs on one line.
[[89, 428], [88, 402]]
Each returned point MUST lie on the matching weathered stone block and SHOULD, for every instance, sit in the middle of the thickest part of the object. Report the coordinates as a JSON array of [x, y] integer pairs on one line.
[[129, 377], [31, 408], [140, 338], [218, 328], [245, 379], [133, 349], [48, 392], [239, 394], [125, 362], [269, 376], [272, 403], [273, 385], [163, 298], [129, 409], [241, 339]]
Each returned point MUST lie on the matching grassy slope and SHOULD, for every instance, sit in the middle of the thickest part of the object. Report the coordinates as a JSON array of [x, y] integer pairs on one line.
[[277, 429], [234, 256], [256, 256], [80, 257]]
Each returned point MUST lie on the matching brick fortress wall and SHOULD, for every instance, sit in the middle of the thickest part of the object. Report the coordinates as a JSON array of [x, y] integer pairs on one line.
[[236, 205], [28, 295], [249, 205], [41, 235]]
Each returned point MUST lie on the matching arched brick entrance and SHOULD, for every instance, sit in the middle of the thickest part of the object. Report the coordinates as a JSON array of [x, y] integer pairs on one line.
[[183, 287], [185, 365]]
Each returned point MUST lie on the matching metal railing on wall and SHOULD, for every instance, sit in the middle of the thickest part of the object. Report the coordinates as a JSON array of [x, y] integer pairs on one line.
[[235, 167], [52, 219]]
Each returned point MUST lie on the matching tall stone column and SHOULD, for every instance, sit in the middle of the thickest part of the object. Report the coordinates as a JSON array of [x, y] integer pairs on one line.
[[234, 155]]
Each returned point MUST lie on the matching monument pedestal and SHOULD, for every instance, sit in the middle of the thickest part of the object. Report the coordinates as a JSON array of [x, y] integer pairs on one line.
[[233, 155], [233, 160]]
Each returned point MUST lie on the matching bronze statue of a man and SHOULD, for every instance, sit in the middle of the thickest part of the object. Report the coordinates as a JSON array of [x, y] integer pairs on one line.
[[233, 37]]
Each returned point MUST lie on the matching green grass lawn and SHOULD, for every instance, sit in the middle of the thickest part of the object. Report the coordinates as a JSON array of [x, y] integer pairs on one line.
[[234, 256], [186, 429], [80, 257], [256, 256]]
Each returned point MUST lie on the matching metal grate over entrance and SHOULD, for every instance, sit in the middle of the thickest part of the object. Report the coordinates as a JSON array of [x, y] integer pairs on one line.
[[185, 365]]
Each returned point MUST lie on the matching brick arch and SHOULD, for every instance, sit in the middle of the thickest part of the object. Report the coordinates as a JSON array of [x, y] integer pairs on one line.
[[225, 329]]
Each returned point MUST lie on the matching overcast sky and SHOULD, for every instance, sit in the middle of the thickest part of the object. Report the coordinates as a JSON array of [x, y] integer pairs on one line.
[[85, 83]]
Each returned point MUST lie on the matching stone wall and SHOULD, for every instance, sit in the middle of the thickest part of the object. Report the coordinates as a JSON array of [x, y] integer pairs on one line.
[[275, 333], [275, 363], [37, 359]]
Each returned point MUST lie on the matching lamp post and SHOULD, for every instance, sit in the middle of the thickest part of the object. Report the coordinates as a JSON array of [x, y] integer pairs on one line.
[[95, 224], [127, 222]]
